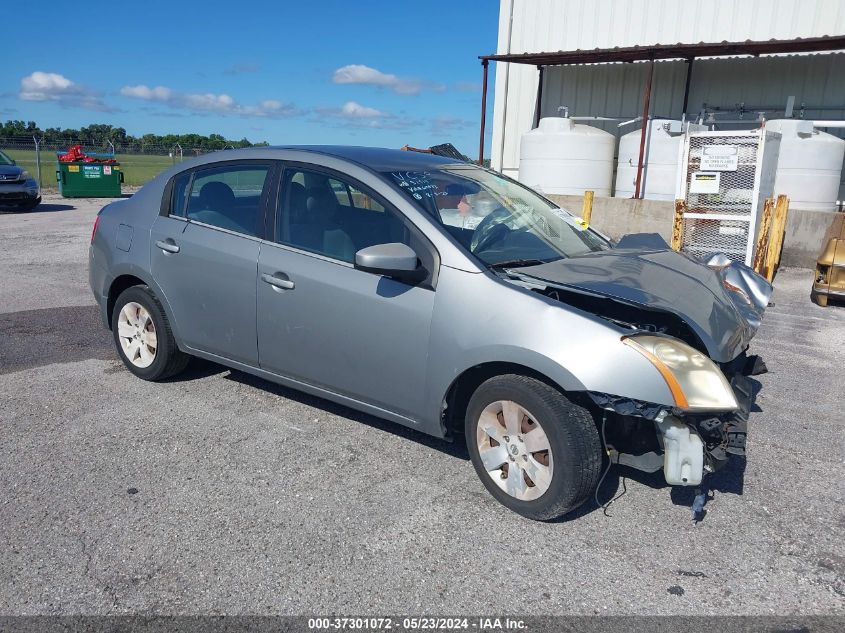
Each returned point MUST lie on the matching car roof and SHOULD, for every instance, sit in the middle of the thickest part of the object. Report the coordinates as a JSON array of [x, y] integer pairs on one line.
[[376, 158]]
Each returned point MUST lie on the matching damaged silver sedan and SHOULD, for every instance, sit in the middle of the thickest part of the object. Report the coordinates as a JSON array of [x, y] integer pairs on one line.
[[444, 297]]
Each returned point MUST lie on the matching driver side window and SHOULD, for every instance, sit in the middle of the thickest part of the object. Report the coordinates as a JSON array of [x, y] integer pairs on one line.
[[327, 215]]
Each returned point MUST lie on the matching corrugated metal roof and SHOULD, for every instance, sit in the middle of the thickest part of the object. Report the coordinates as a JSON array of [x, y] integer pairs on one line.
[[672, 51]]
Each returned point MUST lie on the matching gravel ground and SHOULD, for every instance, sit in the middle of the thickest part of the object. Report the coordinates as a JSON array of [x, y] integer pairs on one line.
[[221, 493]]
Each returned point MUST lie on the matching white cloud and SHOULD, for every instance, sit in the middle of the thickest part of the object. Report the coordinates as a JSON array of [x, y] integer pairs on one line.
[[364, 75], [353, 114], [159, 93], [208, 102], [41, 86], [352, 109]]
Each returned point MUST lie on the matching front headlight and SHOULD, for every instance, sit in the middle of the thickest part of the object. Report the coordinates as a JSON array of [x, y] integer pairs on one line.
[[695, 381], [24, 175]]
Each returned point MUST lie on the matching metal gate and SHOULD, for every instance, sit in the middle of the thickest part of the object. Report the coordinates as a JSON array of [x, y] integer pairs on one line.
[[726, 179]]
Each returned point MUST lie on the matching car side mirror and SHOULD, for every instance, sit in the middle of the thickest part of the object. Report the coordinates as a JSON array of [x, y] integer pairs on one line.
[[398, 261]]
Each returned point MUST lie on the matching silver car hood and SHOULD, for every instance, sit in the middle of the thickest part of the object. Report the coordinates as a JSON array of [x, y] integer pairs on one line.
[[721, 301]]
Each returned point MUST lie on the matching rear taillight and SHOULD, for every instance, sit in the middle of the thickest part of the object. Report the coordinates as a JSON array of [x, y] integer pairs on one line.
[[96, 224]]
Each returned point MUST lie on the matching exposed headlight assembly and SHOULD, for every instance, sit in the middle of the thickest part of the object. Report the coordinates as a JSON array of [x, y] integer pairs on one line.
[[695, 381]]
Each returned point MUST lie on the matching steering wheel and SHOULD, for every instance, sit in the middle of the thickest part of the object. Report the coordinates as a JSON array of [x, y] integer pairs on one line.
[[485, 235]]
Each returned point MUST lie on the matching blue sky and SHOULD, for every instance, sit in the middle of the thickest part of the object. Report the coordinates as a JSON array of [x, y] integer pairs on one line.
[[324, 71]]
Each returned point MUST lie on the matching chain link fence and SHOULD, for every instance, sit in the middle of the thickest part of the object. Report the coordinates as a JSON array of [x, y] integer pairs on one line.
[[140, 162]]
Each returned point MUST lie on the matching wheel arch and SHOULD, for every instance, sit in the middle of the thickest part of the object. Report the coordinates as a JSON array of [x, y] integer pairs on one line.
[[117, 287], [464, 385], [126, 278]]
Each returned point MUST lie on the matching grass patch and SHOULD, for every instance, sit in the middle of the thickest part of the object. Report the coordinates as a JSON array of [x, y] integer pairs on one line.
[[137, 168]]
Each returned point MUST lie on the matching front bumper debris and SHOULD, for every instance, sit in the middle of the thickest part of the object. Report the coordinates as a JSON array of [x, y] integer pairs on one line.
[[635, 431]]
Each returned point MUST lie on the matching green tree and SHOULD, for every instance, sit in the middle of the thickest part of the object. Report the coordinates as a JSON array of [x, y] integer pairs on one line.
[[96, 136]]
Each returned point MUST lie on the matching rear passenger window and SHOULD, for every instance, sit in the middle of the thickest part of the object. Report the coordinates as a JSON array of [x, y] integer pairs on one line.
[[228, 197], [177, 197]]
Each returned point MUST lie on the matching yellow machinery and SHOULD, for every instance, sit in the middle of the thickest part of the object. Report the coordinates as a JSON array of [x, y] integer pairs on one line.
[[830, 271]]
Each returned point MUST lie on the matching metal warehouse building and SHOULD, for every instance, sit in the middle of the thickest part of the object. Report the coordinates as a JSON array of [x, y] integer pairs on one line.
[[731, 92]]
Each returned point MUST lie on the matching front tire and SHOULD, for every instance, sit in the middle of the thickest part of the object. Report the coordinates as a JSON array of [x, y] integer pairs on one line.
[[28, 206], [538, 453], [143, 337]]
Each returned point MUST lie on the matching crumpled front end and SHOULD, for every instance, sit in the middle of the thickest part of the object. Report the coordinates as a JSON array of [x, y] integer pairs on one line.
[[714, 305], [749, 292], [693, 320], [685, 445]]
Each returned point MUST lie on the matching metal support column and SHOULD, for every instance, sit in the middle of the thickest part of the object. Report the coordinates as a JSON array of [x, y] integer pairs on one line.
[[38, 161], [484, 64], [646, 104], [539, 105], [686, 87]]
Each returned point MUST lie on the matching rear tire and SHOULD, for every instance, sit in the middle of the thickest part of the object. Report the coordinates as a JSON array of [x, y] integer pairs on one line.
[[554, 463], [143, 337]]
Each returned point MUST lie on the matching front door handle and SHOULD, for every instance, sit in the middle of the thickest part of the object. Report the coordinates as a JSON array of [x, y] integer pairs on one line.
[[278, 282], [168, 246]]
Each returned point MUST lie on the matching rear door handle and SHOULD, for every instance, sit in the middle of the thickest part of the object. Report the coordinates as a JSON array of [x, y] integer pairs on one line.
[[278, 282], [168, 246]]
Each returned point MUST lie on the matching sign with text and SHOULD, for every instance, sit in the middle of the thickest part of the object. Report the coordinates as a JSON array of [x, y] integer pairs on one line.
[[92, 171], [705, 182], [720, 158]]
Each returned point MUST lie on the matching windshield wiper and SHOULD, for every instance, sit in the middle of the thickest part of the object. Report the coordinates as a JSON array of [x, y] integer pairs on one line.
[[518, 263]]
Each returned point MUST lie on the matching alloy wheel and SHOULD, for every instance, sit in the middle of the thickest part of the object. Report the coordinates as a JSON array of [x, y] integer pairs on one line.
[[137, 334], [514, 450]]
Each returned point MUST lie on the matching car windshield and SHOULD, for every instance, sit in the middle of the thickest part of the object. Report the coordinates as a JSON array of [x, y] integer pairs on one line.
[[497, 219], [5, 160]]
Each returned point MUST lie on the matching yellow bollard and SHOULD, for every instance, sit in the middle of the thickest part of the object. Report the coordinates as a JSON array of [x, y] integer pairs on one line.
[[587, 208], [762, 245], [678, 225], [776, 239]]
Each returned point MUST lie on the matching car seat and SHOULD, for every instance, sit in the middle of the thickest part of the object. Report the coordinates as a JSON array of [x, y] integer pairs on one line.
[[217, 207], [302, 231], [322, 207]]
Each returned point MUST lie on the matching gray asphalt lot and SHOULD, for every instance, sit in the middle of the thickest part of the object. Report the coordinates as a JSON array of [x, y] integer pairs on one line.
[[218, 492]]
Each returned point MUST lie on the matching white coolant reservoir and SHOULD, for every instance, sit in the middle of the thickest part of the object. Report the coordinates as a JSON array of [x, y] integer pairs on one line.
[[683, 453]]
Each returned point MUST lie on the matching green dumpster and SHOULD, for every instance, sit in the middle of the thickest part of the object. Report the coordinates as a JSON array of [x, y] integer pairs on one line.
[[89, 180]]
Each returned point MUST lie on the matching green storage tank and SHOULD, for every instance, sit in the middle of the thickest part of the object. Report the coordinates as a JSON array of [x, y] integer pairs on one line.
[[89, 180]]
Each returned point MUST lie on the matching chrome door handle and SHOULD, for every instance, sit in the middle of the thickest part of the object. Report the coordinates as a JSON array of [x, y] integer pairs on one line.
[[168, 246], [278, 282]]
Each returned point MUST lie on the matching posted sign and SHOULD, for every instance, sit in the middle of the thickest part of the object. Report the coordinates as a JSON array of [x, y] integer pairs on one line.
[[704, 182], [719, 158], [91, 171]]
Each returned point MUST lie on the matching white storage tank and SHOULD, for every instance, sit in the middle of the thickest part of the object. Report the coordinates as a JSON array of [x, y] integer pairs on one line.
[[660, 161], [810, 165], [561, 157]]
